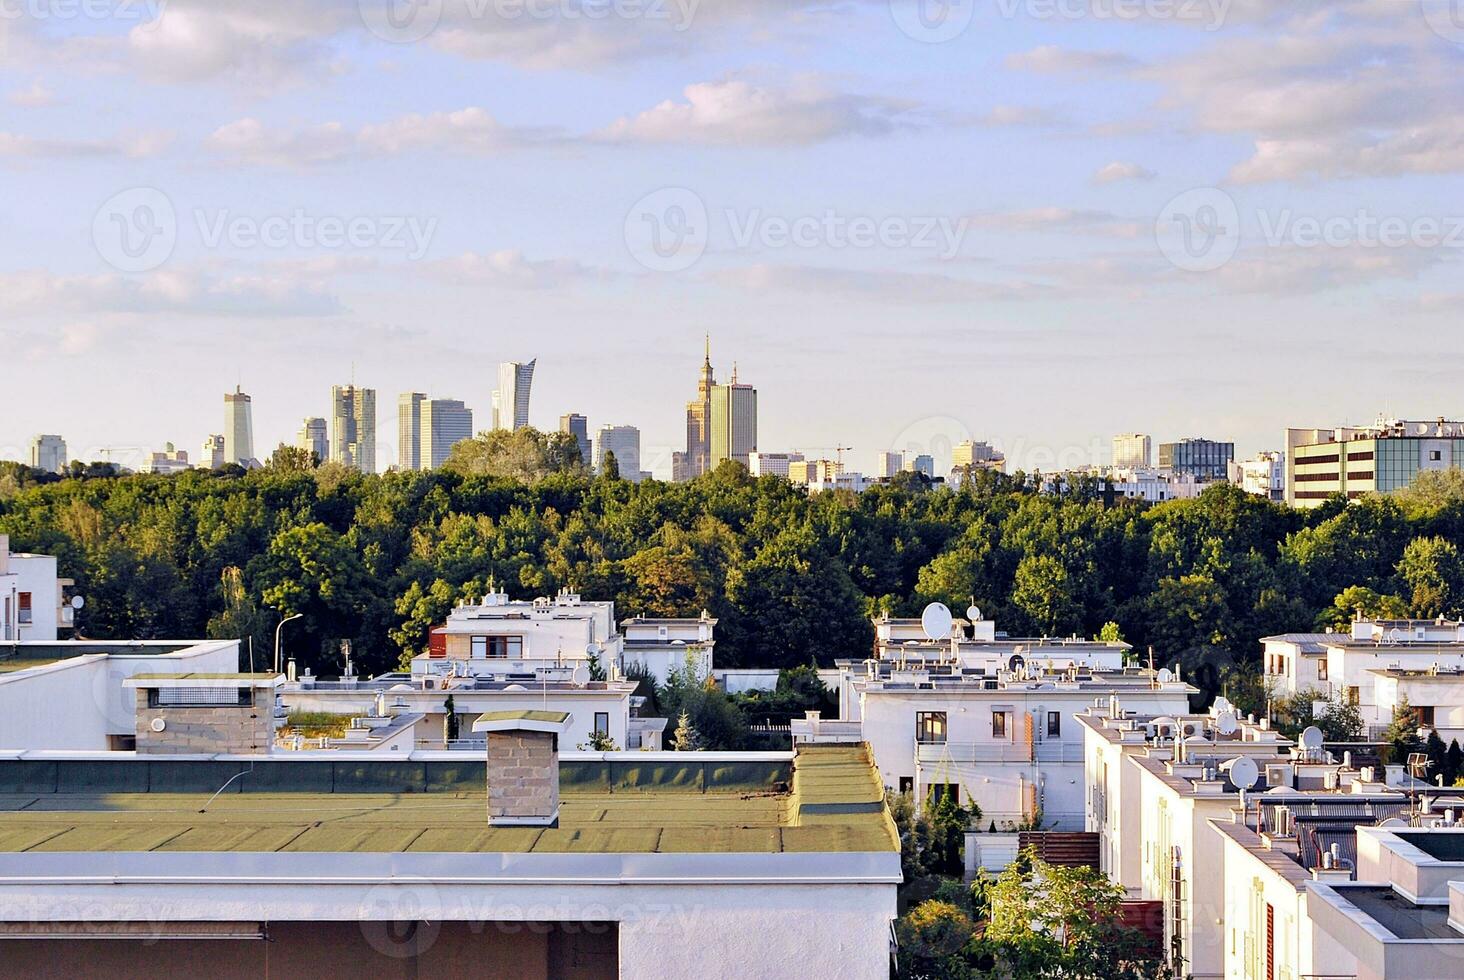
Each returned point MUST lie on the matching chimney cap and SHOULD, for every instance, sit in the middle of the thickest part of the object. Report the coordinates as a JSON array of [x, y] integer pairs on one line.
[[553, 722]]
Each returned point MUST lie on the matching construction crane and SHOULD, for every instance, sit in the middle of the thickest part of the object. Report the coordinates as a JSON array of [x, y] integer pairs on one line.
[[838, 450]]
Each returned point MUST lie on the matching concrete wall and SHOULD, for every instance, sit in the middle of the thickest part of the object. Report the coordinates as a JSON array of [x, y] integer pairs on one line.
[[230, 729]]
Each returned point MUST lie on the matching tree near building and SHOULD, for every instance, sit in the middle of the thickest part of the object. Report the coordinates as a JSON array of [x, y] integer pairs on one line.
[[685, 738]]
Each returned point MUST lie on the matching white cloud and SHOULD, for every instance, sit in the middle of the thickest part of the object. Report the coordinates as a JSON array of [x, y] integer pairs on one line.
[[1051, 60], [1118, 171], [128, 147], [1062, 221], [735, 112], [183, 292], [470, 131], [263, 42], [883, 285], [509, 268], [37, 96]]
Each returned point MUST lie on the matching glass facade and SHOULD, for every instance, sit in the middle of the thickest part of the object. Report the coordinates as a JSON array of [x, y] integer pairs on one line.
[[1200, 458]]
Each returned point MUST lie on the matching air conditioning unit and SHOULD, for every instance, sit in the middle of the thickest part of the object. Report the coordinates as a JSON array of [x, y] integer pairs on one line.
[[1285, 826]]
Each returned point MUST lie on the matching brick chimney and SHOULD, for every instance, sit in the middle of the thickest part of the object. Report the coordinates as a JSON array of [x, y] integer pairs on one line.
[[523, 766]]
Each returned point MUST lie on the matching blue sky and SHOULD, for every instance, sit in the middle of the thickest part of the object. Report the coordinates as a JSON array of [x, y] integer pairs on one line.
[[1024, 186]]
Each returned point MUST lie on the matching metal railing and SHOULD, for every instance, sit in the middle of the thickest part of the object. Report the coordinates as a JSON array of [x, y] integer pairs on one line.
[[1008, 752]]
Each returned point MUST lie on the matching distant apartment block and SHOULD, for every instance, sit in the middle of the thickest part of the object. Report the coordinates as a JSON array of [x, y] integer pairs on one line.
[[168, 461], [920, 463], [624, 443], [1203, 459], [511, 399], [772, 464], [353, 427], [888, 465], [579, 427], [1379, 458], [212, 454], [314, 437], [1133, 451], [445, 423], [239, 429], [969, 457], [1263, 475], [48, 453]]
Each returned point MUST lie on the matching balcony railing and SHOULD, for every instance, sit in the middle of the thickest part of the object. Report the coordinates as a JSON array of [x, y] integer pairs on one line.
[[998, 752]]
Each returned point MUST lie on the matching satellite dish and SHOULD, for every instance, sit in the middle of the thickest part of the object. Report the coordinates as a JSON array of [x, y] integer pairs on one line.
[[936, 620], [973, 614], [1393, 822], [1017, 662], [1222, 704], [1243, 773], [157, 724], [1227, 724], [77, 602], [1164, 675], [1312, 738]]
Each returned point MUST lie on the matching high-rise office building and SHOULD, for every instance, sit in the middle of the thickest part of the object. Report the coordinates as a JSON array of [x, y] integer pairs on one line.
[[238, 428], [1357, 460], [315, 437], [888, 465], [579, 427], [409, 430], [970, 455], [212, 455], [734, 422], [1133, 451], [1203, 459], [623, 441], [721, 424], [920, 463], [48, 453], [511, 400], [445, 423], [353, 427]]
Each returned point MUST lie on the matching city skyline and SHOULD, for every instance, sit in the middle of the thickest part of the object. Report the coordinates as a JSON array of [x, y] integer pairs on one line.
[[1079, 137]]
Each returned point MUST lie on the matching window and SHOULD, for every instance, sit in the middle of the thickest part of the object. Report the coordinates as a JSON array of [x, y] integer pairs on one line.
[[1425, 715], [1354, 695], [930, 727], [999, 724], [1322, 669], [25, 608], [1435, 455], [1054, 724], [939, 791], [602, 723], [498, 647], [907, 784]]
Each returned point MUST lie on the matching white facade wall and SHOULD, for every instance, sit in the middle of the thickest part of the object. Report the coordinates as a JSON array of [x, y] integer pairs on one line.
[[77, 703], [35, 576]]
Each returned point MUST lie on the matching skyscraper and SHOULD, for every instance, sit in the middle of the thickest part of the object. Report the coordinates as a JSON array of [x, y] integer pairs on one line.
[[623, 441], [734, 422], [1132, 451], [511, 400], [48, 452], [693, 462], [238, 428], [889, 464], [579, 427], [315, 437], [353, 427], [409, 430], [445, 423]]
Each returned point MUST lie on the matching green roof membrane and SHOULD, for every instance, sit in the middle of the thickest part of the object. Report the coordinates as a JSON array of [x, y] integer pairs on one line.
[[835, 805]]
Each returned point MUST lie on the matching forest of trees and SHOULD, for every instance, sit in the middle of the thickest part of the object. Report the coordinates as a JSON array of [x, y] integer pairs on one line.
[[793, 578]]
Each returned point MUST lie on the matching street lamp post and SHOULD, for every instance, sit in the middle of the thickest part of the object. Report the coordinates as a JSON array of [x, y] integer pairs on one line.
[[277, 639]]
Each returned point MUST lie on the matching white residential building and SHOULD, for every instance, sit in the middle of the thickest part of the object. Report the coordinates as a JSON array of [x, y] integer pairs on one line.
[[659, 646], [48, 453], [772, 464], [33, 601], [168, 461], [1263, 475], [1374, 666], [888, 465], [989, 718]]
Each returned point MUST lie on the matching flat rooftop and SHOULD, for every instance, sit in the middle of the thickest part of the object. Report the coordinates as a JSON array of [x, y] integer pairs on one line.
[[1397, 914], [829, 798]]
